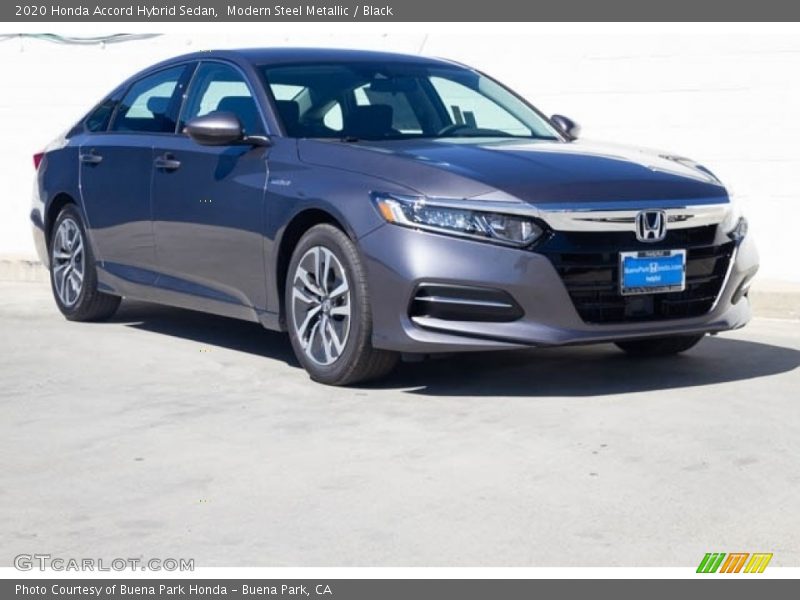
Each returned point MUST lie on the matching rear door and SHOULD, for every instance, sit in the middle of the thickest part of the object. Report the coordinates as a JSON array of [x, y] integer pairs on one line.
[[116, 168], [208, 201]]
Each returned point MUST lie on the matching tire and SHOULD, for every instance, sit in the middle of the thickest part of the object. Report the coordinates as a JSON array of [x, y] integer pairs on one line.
[[329, 317], [660, 346], [73, 272]]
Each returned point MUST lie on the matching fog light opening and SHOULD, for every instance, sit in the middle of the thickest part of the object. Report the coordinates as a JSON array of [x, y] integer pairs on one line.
[[742, 290], [463, 303]]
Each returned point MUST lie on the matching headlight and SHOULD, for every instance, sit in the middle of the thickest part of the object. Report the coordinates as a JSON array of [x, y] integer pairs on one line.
[[444, 217], [735, 225], [739, 230]]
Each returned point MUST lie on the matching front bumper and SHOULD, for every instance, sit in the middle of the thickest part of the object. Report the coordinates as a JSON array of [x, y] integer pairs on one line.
[[398, 260]]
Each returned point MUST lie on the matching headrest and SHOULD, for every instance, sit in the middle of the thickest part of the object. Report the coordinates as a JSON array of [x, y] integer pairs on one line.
[[289, 112], [374, 120], [244, 107], [158, 105]]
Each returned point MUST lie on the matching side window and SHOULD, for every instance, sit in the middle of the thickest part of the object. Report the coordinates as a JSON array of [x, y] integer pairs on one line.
[[466, 106], [333, 117], [150, 104], [220, 88], [100, 116], [284, 91]]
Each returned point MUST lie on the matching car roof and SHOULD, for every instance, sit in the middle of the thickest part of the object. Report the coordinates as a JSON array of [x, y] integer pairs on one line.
[[283, 56]]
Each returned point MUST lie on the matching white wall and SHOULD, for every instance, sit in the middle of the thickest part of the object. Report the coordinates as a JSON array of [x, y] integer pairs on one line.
[[729, 101]]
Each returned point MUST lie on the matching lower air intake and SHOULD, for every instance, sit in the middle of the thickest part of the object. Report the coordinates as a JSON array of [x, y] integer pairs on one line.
[[461, 303]]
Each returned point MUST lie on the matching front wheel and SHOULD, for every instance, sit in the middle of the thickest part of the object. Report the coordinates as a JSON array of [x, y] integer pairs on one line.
[[328, 310], [660, 346]]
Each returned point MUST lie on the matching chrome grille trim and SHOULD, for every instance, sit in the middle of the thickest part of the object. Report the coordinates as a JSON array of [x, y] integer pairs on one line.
[[463, 301], [725, 279], [682, 217]]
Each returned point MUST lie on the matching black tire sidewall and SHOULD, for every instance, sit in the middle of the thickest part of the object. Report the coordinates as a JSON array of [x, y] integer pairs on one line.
[[358, 340]]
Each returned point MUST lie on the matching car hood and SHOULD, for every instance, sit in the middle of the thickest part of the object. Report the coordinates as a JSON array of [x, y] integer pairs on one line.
[[534, 171]]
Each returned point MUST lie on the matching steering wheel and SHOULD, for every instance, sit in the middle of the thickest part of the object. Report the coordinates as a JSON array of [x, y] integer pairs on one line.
[[452, 128]]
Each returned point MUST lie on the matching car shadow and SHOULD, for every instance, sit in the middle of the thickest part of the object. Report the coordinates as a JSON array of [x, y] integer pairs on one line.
[[597, 370], [207, 329], [572, 371]]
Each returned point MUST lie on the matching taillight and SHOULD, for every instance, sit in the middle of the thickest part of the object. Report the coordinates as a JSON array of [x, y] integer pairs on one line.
[[37, 160]]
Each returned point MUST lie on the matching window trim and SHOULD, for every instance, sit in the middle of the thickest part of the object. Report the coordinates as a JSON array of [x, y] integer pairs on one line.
[[190, 88], [189, 68]]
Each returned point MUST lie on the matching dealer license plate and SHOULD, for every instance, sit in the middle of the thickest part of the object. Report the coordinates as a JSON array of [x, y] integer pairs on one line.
[[652, 271]]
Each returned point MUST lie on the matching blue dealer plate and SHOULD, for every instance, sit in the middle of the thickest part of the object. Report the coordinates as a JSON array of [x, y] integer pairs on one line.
[[652, 271]]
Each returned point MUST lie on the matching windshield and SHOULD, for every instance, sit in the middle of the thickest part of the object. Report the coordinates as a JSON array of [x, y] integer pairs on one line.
[[355, 101]]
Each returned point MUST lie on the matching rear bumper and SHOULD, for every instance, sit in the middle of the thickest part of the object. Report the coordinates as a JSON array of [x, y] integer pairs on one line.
[[38, 225], [399, 260], [39, 241]]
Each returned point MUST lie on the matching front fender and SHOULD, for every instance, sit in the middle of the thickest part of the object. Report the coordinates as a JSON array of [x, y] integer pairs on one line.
[[293, 191]]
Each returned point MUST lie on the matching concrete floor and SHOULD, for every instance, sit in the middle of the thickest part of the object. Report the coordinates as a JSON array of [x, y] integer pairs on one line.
[[168, 433]]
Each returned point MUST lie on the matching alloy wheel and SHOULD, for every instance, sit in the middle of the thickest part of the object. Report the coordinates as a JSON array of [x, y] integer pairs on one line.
[[321, 305], [68, 262]]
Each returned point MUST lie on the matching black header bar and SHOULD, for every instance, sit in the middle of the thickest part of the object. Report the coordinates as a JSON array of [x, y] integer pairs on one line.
[[266, 11], [701, 588]]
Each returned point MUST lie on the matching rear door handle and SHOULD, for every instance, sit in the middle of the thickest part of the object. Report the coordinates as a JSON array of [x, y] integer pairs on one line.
[[166, 162], [91, 158]]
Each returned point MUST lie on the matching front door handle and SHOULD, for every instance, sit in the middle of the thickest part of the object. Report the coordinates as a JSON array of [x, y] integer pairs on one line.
[[166, 162], [91, 158]]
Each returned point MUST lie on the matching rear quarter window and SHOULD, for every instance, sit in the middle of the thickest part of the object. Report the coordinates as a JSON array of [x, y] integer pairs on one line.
[[100, 117]]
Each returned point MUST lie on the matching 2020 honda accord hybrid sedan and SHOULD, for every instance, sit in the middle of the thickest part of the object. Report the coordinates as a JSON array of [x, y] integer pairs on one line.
[[378, 205]]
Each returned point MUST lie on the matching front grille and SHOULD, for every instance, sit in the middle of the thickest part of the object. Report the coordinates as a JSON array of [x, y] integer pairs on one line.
[[588, 263], [612, 241]]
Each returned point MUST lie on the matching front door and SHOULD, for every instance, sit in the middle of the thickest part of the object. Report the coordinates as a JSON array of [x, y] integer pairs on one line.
[[208, 201]]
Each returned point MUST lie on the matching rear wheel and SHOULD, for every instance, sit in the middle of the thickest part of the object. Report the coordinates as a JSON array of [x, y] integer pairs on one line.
[[73, 274], [328, 310], [660, 346]]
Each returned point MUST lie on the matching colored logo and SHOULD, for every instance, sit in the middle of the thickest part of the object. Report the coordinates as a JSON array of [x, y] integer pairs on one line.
[[735, 562]]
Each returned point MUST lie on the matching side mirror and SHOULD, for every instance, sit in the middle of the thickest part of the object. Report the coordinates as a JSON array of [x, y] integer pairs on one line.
[[567, 125], [215, 129]]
